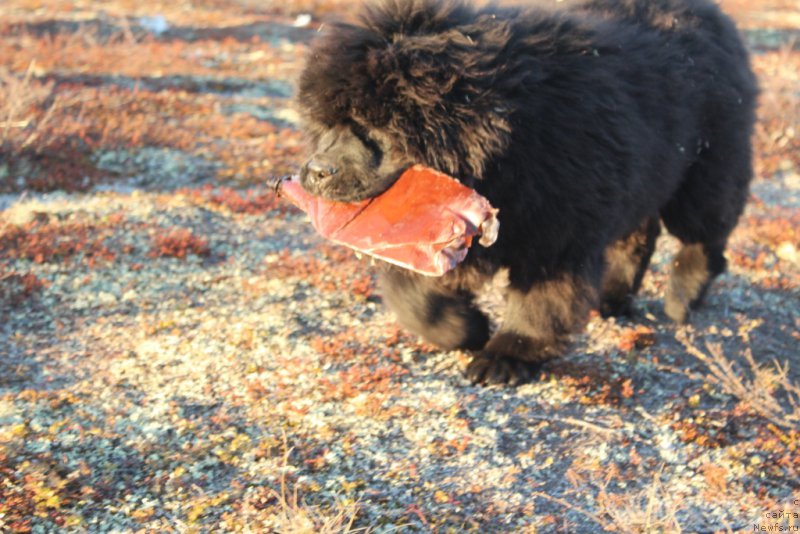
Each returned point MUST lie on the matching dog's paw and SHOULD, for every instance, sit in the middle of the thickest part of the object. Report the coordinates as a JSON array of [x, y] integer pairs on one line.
[[488, 369], [617, 307]]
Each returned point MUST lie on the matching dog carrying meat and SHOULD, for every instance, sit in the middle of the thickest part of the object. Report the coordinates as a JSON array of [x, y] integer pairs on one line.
[[587, 127]]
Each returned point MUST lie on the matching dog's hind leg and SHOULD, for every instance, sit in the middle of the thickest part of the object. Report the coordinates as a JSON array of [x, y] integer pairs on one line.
[[693, 269], [702, 214], [626, 262], [437, 309]]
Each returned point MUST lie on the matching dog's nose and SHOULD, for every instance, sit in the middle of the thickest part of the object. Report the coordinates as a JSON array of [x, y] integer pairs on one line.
[[319, 171]]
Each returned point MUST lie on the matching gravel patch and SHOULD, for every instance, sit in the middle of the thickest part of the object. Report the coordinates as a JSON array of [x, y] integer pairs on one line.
[[156, 392]]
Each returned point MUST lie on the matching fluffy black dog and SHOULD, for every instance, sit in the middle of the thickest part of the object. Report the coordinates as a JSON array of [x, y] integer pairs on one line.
[[585, 127]]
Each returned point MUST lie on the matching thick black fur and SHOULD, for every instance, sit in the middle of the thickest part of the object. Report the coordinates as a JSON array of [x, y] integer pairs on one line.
[[585, 127]]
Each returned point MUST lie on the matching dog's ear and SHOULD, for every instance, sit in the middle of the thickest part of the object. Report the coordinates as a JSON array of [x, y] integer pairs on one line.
[[334, 80], [434, 69], [442, 86]]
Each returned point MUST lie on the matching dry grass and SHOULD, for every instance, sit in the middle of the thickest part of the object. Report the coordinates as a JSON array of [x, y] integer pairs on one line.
[[53, 117], [652, 510], [603, 523], [33, 141], [297, 517], [649, 511], [760, 391], [26, 107]]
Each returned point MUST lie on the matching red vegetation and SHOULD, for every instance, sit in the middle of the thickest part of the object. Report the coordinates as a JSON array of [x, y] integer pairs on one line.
[[777, 139], [339, 347], [778, 452], [49, 133], [350, 273], [42, 241], [709, 430], [594, 385], [377, 380], [766, 241], [16, 502], [178, 243], [251, 201], [639, 337], [773, 232], [88, 51], [16, 287]]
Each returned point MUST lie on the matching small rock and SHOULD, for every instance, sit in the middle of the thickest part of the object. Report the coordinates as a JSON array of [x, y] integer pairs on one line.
[[302, 20], [156, 24], [787, 252]]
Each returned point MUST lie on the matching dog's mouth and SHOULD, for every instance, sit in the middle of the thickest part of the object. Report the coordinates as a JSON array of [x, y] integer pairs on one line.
[[342, 189], [346, 186]]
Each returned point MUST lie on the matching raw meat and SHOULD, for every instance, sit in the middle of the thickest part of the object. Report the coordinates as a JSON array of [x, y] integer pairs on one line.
[[425, 222]]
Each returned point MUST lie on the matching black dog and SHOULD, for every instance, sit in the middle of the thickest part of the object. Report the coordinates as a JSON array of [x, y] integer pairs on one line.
[[584, 127]]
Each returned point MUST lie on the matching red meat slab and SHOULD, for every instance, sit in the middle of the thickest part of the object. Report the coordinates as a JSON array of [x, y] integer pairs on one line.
[[425, 222]]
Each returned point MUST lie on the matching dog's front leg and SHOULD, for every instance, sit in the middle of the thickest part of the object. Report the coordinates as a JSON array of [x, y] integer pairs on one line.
[[438, 309], [536, 328]]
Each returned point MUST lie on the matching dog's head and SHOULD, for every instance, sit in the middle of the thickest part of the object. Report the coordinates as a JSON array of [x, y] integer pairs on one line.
[[350, 162], [413, 81]]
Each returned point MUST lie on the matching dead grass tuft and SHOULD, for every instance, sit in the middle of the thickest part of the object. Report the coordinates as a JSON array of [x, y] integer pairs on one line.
[[26, 107], [34, 146], [18, 99], [758, 387], [296, 517], [652, 510]]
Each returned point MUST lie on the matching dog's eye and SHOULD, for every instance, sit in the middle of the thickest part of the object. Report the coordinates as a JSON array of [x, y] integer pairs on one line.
[[375, 149]]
